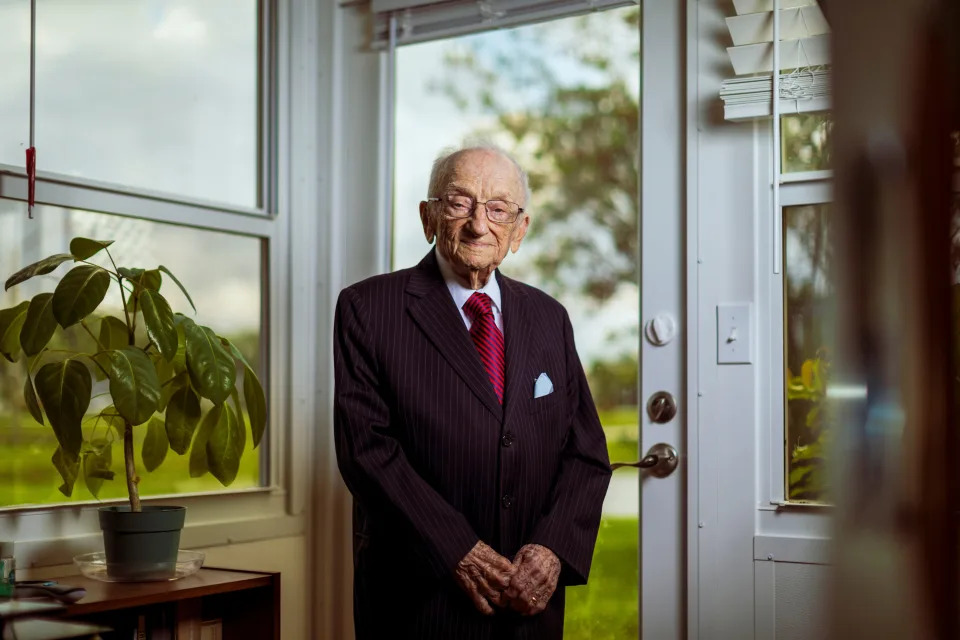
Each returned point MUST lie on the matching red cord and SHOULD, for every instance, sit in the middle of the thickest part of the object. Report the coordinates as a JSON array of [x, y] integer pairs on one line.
[[31, 177]]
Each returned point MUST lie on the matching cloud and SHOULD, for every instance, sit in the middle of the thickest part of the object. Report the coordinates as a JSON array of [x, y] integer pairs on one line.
[[181, 25]]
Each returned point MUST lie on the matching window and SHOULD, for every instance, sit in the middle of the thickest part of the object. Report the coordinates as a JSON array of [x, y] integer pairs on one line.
[[562, 96], [226, 290], [149, 97], [152, 95], [808, 289], [805, 142], [803, 292]]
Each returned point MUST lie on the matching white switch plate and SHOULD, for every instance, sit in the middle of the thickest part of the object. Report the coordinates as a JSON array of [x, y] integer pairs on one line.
[[734, 333]]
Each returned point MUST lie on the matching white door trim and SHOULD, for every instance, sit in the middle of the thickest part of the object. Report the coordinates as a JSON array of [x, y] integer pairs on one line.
[[692, 450], [663, 505]]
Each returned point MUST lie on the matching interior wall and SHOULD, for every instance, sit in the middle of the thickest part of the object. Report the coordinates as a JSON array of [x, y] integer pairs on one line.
[[285, 555], [741, 594], [350, 144]]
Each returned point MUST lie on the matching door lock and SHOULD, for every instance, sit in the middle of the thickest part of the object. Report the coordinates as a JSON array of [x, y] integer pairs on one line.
[[661, 407], [661, 460]]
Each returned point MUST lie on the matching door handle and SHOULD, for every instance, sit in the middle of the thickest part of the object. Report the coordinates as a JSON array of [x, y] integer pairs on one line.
[[661, 460]]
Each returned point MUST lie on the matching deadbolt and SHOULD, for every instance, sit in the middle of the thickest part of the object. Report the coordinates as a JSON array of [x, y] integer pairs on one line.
[[661, 407]]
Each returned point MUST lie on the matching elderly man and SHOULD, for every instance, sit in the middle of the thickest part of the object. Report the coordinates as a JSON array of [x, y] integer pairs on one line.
[[465, 429]]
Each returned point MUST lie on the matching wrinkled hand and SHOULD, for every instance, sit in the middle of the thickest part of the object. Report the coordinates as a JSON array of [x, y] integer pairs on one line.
[[484, 574], [535, 580]]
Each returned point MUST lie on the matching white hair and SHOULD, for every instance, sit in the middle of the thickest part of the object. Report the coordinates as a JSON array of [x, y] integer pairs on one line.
[[445, 162]]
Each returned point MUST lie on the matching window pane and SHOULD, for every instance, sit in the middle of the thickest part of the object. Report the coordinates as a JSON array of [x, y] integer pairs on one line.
[[153, 94], [14, 81], [562, 96], [222, 273], [806, 142], [808, 287]]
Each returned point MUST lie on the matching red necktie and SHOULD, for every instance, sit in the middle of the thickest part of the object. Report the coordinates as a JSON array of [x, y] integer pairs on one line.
[[487, 338]]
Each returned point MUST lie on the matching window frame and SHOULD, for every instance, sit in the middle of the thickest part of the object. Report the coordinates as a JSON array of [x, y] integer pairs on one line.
[[48, 535], [802, 188]]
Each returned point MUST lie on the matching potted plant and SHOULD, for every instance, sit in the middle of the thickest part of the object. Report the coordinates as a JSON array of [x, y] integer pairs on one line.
[[164, 373]]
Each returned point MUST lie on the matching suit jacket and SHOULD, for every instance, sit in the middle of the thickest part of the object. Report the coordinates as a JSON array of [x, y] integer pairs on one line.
[[435, 463]]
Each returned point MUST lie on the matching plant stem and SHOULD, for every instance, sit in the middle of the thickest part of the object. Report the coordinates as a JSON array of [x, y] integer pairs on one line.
[[132, 479], [83, 324], [123, 298]]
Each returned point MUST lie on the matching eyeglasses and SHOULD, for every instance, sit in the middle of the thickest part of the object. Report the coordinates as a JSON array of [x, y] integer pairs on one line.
[[499, 211]]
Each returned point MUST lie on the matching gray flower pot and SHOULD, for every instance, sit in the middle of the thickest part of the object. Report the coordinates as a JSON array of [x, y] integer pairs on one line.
[[144, 545]]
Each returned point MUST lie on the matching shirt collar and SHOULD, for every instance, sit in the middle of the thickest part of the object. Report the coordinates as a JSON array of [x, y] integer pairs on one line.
[[460, 293]]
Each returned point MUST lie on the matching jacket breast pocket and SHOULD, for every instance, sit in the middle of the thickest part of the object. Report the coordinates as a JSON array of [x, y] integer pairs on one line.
[[553, 400]]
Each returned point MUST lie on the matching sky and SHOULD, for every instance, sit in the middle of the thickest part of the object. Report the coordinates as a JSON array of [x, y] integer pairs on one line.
[[154, 94]]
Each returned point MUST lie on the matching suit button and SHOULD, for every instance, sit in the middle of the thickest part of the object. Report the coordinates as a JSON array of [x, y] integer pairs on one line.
[[507, 439], [507, 501]]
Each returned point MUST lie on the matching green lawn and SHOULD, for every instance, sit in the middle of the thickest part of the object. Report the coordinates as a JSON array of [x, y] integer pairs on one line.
[[606, 608], [27, 477]]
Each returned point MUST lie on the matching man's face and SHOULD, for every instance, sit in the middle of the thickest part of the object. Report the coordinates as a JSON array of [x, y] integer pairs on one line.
[[475, 244]]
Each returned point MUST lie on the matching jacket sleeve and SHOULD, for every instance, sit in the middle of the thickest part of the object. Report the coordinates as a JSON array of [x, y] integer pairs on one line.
[[371, 460], [571, 521]]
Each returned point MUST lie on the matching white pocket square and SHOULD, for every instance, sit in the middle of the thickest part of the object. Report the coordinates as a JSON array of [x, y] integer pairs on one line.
[[543, 386]]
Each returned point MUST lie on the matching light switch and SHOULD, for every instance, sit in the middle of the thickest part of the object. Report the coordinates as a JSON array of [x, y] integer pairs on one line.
[[734, 333]]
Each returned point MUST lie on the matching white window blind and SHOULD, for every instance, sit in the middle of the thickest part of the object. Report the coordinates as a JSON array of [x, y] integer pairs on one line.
[[802, 91], [418, 21], [804, 53]]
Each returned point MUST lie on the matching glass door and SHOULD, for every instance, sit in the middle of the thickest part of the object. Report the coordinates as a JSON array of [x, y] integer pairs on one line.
[[563, 98]]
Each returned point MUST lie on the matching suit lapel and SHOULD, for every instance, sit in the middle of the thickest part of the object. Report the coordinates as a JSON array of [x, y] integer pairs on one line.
[[437, 316], [516, 334]]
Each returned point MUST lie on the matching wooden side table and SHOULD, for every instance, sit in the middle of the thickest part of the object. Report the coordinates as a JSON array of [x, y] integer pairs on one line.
[[246, 604]]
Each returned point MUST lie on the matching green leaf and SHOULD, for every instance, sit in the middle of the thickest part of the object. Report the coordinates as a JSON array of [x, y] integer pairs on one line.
[[225, 447], [143, 279], [212, 369], [180, 359], [40, 268], [104, 362], [79, 293], [167, 389], [187, 295], [130, 273], [39, 325], [11, 321], [256, 404], [158, 317], [68, 465], [183, 414], [83, 248], [112, 418], [133, 384], [30, 397], [155, 445], [64, 388], [167, 377], [113, 333], [198, 452], [96, 465], [234, 351], [151, 280]]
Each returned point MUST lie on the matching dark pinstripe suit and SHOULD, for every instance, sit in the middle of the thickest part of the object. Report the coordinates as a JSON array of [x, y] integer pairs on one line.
[[435, 463]]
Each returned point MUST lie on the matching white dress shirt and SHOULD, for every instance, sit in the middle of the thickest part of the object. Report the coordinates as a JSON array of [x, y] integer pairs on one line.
[[461, 294]]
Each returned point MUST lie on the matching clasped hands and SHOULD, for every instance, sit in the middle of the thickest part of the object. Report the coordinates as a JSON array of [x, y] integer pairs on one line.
[[524, 585]]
